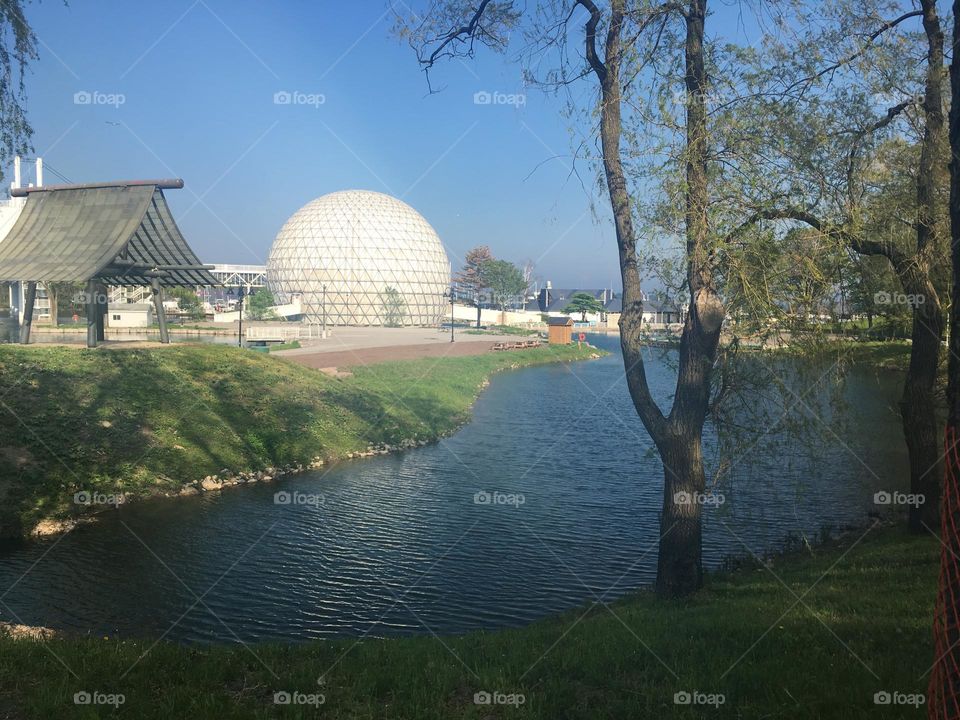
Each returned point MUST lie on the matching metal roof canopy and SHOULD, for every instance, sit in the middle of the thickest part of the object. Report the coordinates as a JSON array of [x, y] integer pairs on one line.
[[118, 233]]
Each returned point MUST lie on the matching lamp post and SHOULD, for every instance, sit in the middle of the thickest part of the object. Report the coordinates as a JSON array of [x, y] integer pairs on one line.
[[451, 313], [323, 289], [240, 306]]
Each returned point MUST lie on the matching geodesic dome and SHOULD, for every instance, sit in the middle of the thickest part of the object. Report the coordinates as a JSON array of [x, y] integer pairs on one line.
[[379, 260]]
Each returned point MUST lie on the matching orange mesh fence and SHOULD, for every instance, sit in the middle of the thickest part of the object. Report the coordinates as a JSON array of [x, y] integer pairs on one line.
[[943, 698]]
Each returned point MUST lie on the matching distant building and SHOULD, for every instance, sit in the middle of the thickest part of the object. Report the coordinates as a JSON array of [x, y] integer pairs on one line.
[[659, 313], [129, 315], [554, 301], [612, 310]]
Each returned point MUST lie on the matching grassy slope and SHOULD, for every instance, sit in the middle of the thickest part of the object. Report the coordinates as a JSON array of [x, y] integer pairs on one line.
[[891, 355], [872, 602], [148, 421]]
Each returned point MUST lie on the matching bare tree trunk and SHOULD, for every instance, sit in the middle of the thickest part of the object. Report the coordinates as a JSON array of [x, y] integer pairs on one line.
[[944, 690], [678, 438], [918, 401], [680, 550], [918, 404], [679, 565], [53, 299], [679, 562]]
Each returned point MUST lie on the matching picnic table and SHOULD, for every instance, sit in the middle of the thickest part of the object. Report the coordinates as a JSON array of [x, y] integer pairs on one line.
[[519, 345]]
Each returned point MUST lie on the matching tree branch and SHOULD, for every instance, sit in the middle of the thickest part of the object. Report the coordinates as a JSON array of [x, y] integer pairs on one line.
[[853, 56], [469, 30], [888, 118], [593, 58], [855, 241]]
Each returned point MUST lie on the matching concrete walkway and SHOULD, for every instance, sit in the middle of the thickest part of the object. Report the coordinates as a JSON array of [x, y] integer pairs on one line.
[[351, 346]]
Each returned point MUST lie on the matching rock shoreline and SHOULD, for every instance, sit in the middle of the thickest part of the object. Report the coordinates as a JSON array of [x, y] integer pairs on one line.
[[217, 482], [227, 478]]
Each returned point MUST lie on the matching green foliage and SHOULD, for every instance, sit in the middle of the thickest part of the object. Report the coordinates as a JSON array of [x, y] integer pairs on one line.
[[188, 302], [64, 296], [259, 304], [583, 303], [897, 327], [834, 130], [18, 47], [506, 283], [866, 604], [394, 307]]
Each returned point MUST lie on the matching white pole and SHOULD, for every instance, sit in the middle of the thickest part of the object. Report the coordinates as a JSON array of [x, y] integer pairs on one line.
[[16, 172], [39, 172]]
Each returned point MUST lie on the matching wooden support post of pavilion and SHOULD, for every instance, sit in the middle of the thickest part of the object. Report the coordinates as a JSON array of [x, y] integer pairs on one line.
[[158, 309], [90, 302], [28, 301], [101, 299]]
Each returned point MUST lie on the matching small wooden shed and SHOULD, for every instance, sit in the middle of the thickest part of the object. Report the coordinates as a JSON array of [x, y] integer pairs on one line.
[[559, 330]]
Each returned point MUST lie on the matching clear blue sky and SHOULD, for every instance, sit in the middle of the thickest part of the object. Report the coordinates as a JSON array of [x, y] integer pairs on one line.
[[198, 79]]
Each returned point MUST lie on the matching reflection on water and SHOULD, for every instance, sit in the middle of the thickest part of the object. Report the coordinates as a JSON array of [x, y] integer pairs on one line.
[[400, 543]]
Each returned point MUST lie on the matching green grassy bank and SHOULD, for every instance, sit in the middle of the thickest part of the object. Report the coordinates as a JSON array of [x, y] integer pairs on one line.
[[148, 421], [812, 636], [885, 355]]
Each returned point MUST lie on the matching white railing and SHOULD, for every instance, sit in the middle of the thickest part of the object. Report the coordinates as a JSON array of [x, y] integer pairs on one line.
[[312, 330], [268, 333]]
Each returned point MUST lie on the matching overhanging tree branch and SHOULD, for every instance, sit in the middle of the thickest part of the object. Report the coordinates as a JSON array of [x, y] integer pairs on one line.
[[890, 24], [466, 31], [598, 66]]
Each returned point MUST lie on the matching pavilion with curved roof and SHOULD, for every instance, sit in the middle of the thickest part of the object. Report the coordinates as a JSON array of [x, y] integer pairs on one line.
[[99, 234]]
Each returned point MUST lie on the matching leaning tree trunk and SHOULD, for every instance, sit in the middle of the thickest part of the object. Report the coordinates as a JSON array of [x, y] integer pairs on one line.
[[679, 566], [678, 438], [918, 400], [944, 691]]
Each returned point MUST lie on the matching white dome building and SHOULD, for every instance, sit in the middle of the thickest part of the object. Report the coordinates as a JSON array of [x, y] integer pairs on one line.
[[379, 260]]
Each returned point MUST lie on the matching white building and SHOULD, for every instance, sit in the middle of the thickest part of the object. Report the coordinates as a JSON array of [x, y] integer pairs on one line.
[[129, 315], [360, 258]]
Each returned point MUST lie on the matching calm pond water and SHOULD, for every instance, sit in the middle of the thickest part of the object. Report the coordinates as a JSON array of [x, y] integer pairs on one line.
[[399, 544]]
